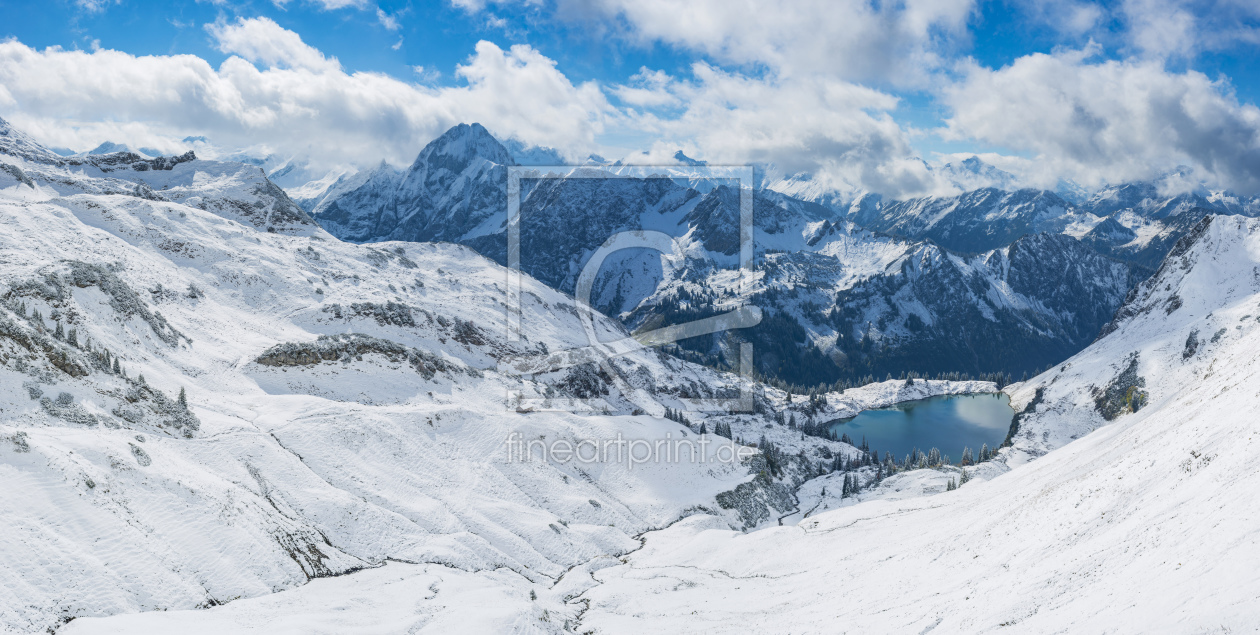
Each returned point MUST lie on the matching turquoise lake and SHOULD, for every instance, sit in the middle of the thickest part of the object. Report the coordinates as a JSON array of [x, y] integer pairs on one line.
[[948, 423]]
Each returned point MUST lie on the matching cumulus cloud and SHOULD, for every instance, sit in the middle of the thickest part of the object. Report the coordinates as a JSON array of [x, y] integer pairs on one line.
[[809, 86], [1161, 28], [898, 42], [300, 103], [263, 41], [647, 88], [837, 131], [1109, 121]]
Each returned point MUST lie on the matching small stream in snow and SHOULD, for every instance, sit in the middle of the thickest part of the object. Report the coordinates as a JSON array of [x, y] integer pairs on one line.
[[948, 423]]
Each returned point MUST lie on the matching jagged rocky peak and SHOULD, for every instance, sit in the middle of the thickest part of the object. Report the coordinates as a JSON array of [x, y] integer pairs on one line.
[[686, 160], [460, 146]]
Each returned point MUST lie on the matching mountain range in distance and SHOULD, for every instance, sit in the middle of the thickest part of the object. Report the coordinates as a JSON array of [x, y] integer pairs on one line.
[[854, 288]]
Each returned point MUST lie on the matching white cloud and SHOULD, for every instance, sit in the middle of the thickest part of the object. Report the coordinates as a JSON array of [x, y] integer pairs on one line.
[[650, 89], [94, 6], [790, 93], [792, 98], [898, 42], [1160, 28], [1109, 121], [263, 41], [390, 22], [295, 105], [327, 5], [427, 75], [837, 131], [1072, 18]]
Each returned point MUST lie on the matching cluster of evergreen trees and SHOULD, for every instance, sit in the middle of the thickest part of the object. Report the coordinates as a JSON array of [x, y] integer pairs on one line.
[[1002, 379], [969, 459], [955, 484], [677, 415], [720, 429], [99, 356], [775, 459], [850, 464]]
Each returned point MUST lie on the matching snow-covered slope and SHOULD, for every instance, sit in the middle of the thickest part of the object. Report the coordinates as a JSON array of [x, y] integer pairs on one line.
[[1144, 523], [1141, 519], [207, 400]]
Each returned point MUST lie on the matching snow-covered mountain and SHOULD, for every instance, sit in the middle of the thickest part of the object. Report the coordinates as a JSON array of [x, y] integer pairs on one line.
[[523, 154], [207, 397], [973, 173], [219, 417], [457, 183], [1133, 222], [843, 302], [1137, 521], [975, 221], [1121, 505], [859, 305]]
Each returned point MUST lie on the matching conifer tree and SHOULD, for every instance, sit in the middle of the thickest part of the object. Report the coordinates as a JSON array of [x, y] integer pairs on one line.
[[183, 399]]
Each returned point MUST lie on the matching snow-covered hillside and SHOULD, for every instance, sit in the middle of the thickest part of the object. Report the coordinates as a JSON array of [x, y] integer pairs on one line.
[[1138, 522], [207, 398], [1138, 515]]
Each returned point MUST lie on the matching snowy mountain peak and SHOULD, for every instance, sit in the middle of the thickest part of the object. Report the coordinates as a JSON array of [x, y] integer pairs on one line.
[[109, 147], [458, 147], [686, 160], [973, 173], [524, 154]]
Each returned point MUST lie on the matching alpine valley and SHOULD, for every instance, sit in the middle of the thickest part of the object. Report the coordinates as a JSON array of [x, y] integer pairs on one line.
[[231, 406]]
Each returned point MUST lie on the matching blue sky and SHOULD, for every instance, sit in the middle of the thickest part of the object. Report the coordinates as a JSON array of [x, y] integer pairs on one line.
[[852, 92]]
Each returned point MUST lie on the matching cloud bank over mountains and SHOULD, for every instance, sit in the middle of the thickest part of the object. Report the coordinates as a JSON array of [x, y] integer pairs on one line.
[[766, 84]]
